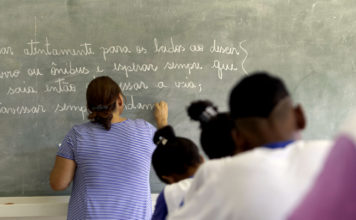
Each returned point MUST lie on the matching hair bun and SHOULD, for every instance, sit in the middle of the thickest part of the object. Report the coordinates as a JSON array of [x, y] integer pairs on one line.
[[201, 111], [163, 135]]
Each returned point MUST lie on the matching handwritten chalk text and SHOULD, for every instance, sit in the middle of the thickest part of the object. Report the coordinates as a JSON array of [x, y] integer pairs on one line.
[[71, 108], [223, 50], [134, 67], [10, 74], [6, 51], [117, 49], [131, 105], [68, 69], [188, 85], [34, 72], [35, 49], [222, 66], [21, 90], [20, 110], [61, 86], [185, 66], [128, 86], [172, 48]]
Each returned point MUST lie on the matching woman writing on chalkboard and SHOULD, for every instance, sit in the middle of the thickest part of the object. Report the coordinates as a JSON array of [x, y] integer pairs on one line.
[[108, 159]]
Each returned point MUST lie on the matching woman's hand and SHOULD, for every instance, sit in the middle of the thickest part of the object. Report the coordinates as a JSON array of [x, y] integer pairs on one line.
[[161, 114]]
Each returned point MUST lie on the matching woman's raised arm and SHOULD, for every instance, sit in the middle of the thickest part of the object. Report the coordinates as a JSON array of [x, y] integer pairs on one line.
[[161, 114]]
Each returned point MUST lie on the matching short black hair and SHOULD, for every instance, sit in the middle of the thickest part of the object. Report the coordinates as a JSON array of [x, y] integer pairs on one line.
[[215, 137], [256, 95], [173, 155]]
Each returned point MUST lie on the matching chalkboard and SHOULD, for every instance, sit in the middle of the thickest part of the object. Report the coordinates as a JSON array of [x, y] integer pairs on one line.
[[177, 51]]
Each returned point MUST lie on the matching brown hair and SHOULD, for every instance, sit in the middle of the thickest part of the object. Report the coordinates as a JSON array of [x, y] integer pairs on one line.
[[102, 93]]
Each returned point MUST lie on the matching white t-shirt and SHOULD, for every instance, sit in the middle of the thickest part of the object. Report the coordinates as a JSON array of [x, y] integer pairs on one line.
[[174, 194], [170, 199], [259, 184]]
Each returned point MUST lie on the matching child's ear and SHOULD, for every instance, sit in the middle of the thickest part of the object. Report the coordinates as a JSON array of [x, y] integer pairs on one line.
[[169, 179], [300, 117]]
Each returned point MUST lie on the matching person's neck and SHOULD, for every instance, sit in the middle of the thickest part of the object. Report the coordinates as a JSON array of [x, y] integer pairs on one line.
[[116, 118], [262, 136], [271, 139], [190, 173], [192, 170]]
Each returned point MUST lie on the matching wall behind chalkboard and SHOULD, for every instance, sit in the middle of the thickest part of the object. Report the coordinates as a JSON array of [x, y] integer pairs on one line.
[[176, 51]]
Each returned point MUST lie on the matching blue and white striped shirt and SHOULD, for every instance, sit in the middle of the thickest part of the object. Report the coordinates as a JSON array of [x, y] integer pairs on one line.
[[112, 175]]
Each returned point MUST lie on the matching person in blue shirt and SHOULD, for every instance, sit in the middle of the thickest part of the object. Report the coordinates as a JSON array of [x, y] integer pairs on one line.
[[108, 158], [216, 142], [275, 170], [174, 160]]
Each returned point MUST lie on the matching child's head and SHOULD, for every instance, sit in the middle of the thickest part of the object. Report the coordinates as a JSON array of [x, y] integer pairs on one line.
[[263, 110], [175, 158], [216, 129]]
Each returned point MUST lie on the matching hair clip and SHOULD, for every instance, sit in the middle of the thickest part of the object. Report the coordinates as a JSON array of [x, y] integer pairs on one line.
[[100, 108], [162, 141], [208, 113]]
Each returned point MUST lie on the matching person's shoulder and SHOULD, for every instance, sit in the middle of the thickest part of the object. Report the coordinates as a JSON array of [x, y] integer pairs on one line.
[[201, 193], [298, 147], [248, 157], [79, 128], [182, 186], [140, 123], [209, 170], [309, 146], [175, 194], [216, 164], [309, 150], [313, 143]]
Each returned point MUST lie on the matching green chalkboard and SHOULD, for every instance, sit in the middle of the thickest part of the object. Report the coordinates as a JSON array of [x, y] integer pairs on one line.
[[176, 51]]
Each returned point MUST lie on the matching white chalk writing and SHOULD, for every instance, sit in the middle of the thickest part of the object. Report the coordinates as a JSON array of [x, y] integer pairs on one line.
[[21, 90], [61, 86], [9, 74], [160, 69], [128, 86], [134, 67], [196, 48], [245, 58], [6, 51], [47, 50], [20, 110], [161, 85], [141, 50], [172, 48], [68, 69], [117, 49], [186, 66], [188, 85], [34, 72], [131, 105], [99, 70], [222, 66], [223, 50], [71, 108]]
